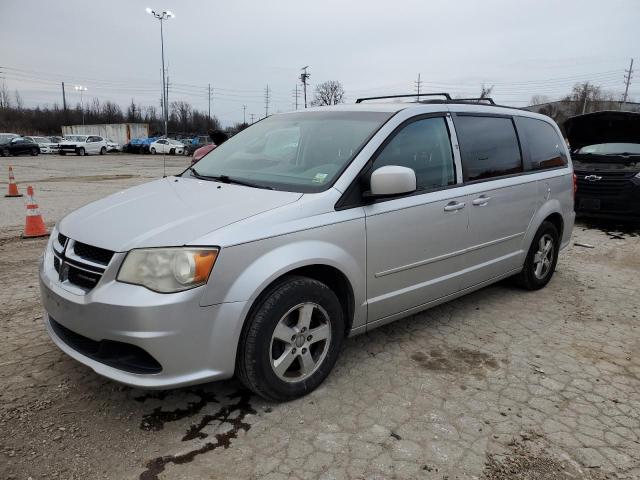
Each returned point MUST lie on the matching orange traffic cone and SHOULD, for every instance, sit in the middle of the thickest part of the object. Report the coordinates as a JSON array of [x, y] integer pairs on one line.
[[34, 225], [13, 187]]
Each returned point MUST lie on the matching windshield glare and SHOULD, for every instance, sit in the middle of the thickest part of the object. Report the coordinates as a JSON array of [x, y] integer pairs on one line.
[[611, 148], [301, 152]]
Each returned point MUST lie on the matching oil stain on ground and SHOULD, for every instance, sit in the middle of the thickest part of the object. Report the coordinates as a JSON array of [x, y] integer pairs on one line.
[[158, 417], [456, 360], [228, 420]]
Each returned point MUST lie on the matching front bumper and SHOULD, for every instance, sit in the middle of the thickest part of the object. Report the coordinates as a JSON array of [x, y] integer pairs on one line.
[[620, 200], [192, 344]]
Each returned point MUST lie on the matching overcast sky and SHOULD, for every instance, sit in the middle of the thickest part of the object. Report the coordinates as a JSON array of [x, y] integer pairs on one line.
[[523, 47]]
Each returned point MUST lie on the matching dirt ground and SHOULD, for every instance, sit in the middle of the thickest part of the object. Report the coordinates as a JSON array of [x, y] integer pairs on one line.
[[501, 384]]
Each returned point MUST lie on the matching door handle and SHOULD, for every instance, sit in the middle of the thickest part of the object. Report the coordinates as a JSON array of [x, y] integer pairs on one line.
[[454, 206], [481, 201]]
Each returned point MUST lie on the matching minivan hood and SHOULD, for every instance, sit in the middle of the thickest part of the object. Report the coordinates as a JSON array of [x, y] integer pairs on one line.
[[602, 127], [168, 212]]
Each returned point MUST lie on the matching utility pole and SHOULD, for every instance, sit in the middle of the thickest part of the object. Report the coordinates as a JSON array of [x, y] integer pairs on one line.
[[209, 106], [417, 84], [252, 115], [166, 110], [64, 99], [244, 114], [267, 97], [296, 94], [304, 76], [627, 78]]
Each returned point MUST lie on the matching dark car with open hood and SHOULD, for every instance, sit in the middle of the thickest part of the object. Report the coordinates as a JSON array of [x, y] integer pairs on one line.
[[605, 149]]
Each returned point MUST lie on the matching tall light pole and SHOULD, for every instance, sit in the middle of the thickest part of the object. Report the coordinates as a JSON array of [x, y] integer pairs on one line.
[[164, 15], [81, 89]]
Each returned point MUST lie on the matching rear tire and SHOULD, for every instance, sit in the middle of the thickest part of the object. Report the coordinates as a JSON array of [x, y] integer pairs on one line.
[[541, 259], [5, 152], [278, 356], [34, 152], [63, 153]]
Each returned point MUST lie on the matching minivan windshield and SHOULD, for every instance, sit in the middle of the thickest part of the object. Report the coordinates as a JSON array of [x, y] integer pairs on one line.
[[300, 152], [611, 149]]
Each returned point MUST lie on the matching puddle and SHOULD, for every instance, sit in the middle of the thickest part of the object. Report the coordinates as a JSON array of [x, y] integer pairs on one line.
[[457, 360], [227, 421], [612, 229]]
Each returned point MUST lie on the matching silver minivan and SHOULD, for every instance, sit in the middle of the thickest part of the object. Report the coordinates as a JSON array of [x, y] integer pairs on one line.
[[303, 229]]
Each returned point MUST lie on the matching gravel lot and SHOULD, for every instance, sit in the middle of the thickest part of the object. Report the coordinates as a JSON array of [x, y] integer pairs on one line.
[[501, 384]]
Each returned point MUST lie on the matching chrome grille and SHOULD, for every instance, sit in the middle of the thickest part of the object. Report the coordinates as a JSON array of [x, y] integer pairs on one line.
[[79, 264]]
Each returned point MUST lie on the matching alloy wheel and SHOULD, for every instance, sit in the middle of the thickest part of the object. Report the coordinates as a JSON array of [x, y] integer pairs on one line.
[[300, 342], [543, 258]]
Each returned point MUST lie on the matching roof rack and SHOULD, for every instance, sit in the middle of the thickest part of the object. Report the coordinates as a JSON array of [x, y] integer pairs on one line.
[[414, 95], [489, 100], [447, 98]]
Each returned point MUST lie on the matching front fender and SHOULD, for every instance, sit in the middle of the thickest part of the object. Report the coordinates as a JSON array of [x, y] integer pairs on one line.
[[242, 272]]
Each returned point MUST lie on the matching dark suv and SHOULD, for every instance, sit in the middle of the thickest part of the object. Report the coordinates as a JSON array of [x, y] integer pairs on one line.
[[605, 148], [19, 146]]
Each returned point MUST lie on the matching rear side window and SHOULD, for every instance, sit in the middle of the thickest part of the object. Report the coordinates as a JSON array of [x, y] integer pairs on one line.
[[489, 147], [423, 146], [545, 145]]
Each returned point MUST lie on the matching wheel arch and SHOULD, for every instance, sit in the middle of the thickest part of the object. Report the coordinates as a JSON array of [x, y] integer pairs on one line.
[[550, 211]]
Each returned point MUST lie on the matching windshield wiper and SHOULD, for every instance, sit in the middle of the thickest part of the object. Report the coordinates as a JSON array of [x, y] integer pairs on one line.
[[228, 179]]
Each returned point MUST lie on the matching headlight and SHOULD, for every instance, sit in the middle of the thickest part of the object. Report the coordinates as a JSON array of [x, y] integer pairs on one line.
[[168, 270]]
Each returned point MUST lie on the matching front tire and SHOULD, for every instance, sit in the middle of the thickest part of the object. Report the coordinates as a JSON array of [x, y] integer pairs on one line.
[[81, 152], [34, 152], [103, 150], [291, 339], [153, 151], [541, 259], [5, 152], [172, 151]]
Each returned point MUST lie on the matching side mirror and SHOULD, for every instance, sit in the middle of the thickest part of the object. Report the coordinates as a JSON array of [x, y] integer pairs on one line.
[[392, 180]]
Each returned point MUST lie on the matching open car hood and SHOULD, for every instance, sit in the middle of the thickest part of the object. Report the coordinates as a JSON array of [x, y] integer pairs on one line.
[[602, 127]]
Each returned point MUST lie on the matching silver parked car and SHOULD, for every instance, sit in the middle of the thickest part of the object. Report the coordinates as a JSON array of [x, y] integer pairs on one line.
[[303, 229]]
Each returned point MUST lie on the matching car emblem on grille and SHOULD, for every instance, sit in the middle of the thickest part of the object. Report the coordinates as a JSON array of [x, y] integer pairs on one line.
[[63, 273], [592, 178]]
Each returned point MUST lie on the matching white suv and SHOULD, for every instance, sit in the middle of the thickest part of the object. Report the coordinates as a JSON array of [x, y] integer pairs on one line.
[[83, 145]]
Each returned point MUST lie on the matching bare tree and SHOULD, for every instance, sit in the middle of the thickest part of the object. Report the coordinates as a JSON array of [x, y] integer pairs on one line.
[[330, 92], [19, 103], [133, 112], [485, 91], [5, 101], [539, 99], [181, 111]]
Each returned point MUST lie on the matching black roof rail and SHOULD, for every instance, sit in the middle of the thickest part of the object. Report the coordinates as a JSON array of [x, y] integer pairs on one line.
[[489, 100], [414, 95]]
